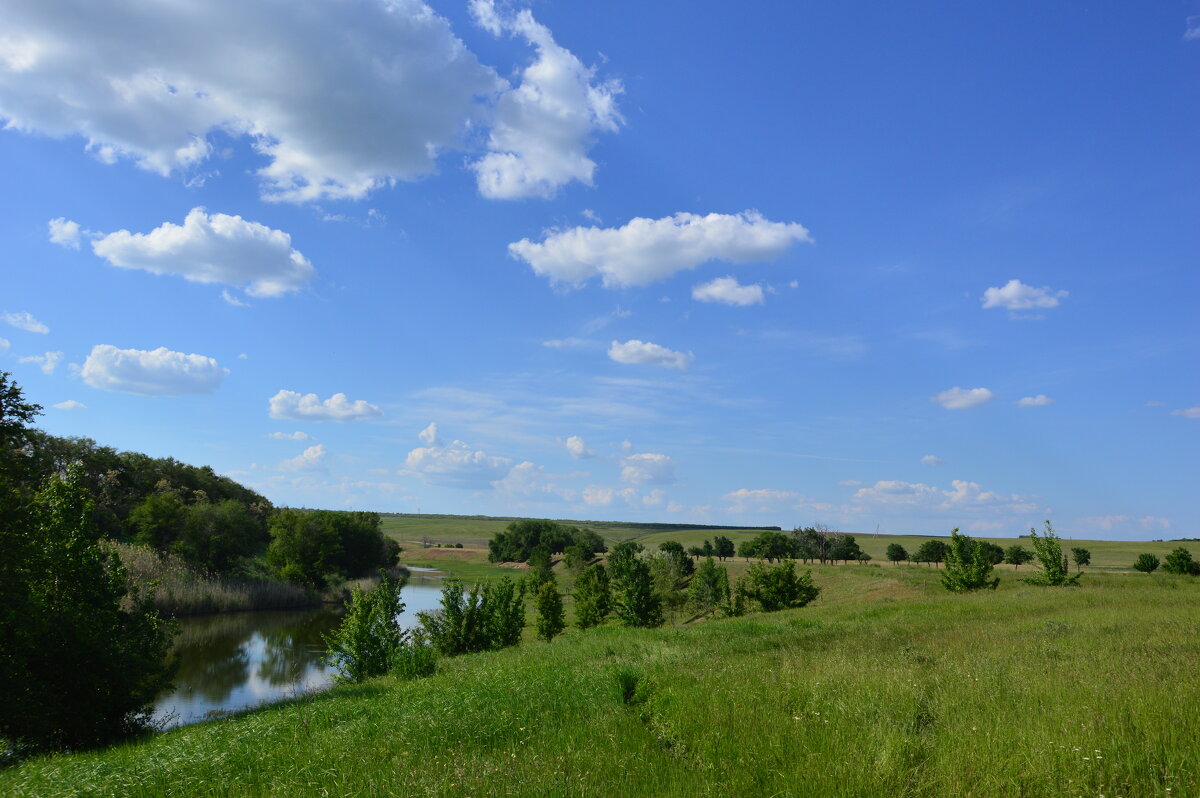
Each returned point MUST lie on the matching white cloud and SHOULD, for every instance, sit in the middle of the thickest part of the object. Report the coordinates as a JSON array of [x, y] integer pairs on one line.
[[1193, 29], [290, 436], [213, 249], [932, 460], [530, 480], [64, 232], [429, 435], [70, 404], [25, 321], [962, 398], [308, 460], [48, 361], [654, 498], [762, 500], [1187, 412], [646, 250], [1015, 295], [648, 468], [309, 407], [728, 291], [963, 496], [596, 496], [456, 465], [567, 343], [232, 300], [1125, 523], [578, 449], [542, 128], [339, 98], [4, 345], [157, 372], [646, 353], [1041, 400]]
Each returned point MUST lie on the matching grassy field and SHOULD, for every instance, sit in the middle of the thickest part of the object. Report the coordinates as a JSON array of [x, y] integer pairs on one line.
[[887, 685]]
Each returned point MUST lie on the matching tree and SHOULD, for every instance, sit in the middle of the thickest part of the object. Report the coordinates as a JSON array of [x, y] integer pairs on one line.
[[722, 547], [592, 598], [369, 637], [709, 588], [933, 551], [539, 566], [1081, 556], [769, 546], [778, 587], [67, 602], [549, 611], [845, 548], [486, 618], [621, 558], [1055, 570], [896, 553], [1180, 562], [993, 552], [1146, 563], [675, 550], [636, 602], [968, 566], [315, 548], [1017, 555]]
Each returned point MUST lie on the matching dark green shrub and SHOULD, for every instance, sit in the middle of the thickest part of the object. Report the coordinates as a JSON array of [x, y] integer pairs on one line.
[[487, 617], [710, 587], [592, 597], [778, 587], [1180, 562], [636, 602], [1081, 556], [367, 641], [549, 611], [896, 553], [1146, 563], [968, 566]]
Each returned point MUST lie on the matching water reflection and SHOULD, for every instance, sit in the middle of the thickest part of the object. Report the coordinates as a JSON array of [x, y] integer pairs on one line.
[[237, 660]]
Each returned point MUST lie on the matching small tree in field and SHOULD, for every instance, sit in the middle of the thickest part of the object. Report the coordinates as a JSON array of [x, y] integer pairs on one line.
[[778, 587], [933, 551], [370, 635], [710, 587], [1146, 563], [549, 611], [637, 603], [1048, 551], [1180, 562], [968, 565], [592, 597], [1081, 557], [1017, 555], [896, 553]]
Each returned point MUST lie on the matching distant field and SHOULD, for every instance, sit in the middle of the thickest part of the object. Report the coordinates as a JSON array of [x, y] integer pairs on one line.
[[474, 532]]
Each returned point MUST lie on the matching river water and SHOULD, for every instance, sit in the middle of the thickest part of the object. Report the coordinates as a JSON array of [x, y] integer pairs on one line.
[[233, 661]]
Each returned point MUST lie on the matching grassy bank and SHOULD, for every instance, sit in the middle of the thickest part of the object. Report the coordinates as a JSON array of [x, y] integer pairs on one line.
[[886, 686]]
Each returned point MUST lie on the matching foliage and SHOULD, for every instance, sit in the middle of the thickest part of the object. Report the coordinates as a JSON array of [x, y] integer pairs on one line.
[[1048, 551], [549, 611], [722, 547], [1180, 562], [622, 557], [315, 548], [896, 553], [415, 657], [1016, 555], [1081, 556], [933, 551], [1146, 563], [968, 566], [845, 548], [769, 546], [520, 538], [576, 557], [668, 578], [592, 597], [675, 551], [366, 642], [636, 602], [488, 617], [65, 602], [709, 588], [778, 587], [992, 552], [539, 567]]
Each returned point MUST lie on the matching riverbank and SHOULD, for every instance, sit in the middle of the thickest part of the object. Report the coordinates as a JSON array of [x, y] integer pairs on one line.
[[887, 685]]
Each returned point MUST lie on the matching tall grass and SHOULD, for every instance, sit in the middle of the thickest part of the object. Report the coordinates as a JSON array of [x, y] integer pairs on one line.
[[182, 590]]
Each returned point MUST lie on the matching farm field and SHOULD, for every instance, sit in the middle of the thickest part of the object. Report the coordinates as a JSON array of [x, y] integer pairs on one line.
[[886, 685]]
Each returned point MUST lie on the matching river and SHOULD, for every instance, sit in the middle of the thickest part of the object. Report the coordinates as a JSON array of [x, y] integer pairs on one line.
[[233, 661]]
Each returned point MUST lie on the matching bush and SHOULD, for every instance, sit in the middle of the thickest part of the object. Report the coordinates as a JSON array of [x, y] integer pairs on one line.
[[1055, 571], [415, 658], [1146, 563], [592, 597], [637, 603], [488, 617], [710, 587], [968, 565], [778, 587], [549, 611], [1180, 562], [366, 642]]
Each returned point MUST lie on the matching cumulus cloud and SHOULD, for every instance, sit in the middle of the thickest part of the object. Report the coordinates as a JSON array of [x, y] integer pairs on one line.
[[429, 435], [963, 398], [290, 436], [213, 249], [542, 127], [578, 449], [156, 372], [962, 496], [763, 500], [647, 250], [309, 407], [70, 404], [339, 98], [648, 468], [25, 321], [728, 291], [529, 480], [48, 362], [1015, 295], [646, 353], [65, 233], [1187, 412], [1041, 400], [932, 460], [597, 496], [456, 465], [308, 460]]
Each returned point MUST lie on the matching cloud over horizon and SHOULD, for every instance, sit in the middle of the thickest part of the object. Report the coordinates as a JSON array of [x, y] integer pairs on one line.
[[155, 372]]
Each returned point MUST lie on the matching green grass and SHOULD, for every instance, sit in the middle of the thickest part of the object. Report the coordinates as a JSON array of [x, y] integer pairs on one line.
[[887, 685]]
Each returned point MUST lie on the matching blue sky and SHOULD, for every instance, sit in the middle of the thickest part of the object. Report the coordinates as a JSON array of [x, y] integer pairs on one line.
[[907, 266]]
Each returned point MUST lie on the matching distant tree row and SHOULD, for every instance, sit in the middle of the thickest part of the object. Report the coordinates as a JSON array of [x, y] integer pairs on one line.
[[1179, 561], [540, 539]]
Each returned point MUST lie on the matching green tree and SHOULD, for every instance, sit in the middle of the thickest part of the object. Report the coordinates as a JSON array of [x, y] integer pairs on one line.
[[1146, 563], [1081, 556], [1017, 555], [486, 618], [576, 557], [675, 551], [369, 637], [845, 548], [592, 597], [1048, 551], [968, 566], [722, 547], [621, 558], [636, 602], [158, 520], [315, 548], [779, 587], [1180, 562], [539, 566], [549, 611], [933, 551], [709, 588], [896, 553], [991, 551]]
